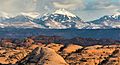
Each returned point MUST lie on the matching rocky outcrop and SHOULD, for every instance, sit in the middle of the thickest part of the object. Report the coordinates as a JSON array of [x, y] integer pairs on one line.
[[72, 48], [11, 56], [59, 54], [44, 56], [55, 47]]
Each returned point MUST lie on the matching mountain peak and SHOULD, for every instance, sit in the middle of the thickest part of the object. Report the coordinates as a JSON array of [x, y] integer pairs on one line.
[[4, 15], [64, 12], [31, 14], [116, 14]]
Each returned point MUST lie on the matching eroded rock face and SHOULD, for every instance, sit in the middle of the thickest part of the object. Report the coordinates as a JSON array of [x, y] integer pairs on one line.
[[44, 56], [57, 54], [11, 56], [72, 48], [69, 49], [50, 57], [54, 46]]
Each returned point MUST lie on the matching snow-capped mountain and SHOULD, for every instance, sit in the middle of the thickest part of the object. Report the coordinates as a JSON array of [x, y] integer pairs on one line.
[[108, 21], [19, 21], [60, 19], [18, 18], [4, 14], [31, 14]]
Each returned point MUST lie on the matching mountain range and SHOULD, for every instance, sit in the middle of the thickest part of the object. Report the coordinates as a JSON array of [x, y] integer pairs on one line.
[[60, 19]]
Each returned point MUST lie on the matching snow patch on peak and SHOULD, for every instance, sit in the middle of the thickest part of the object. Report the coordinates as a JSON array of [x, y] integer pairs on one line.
[[116, 14], [4, 14], [64, 12], [31, 14]]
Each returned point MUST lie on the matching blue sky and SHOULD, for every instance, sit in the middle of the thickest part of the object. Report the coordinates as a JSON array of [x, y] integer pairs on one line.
[[86, 9]]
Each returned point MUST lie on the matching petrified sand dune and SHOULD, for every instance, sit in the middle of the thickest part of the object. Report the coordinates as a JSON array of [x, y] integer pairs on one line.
[[72, 48], [54, 46], [50, 57], [44, 56], [94, 47], [58, 54], [10, 56]]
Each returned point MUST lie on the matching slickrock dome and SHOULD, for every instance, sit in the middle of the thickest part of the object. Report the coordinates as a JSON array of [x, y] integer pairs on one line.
[[72, 48], [44, 56], [54, 46]]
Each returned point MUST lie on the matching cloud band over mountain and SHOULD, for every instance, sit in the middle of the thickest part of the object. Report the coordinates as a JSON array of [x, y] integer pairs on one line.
[[87, 9]]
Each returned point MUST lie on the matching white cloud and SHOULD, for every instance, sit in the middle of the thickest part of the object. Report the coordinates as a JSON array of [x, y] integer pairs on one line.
[[60, 5], [103, 5], [69, 4], [13, 6], [83, 8]]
